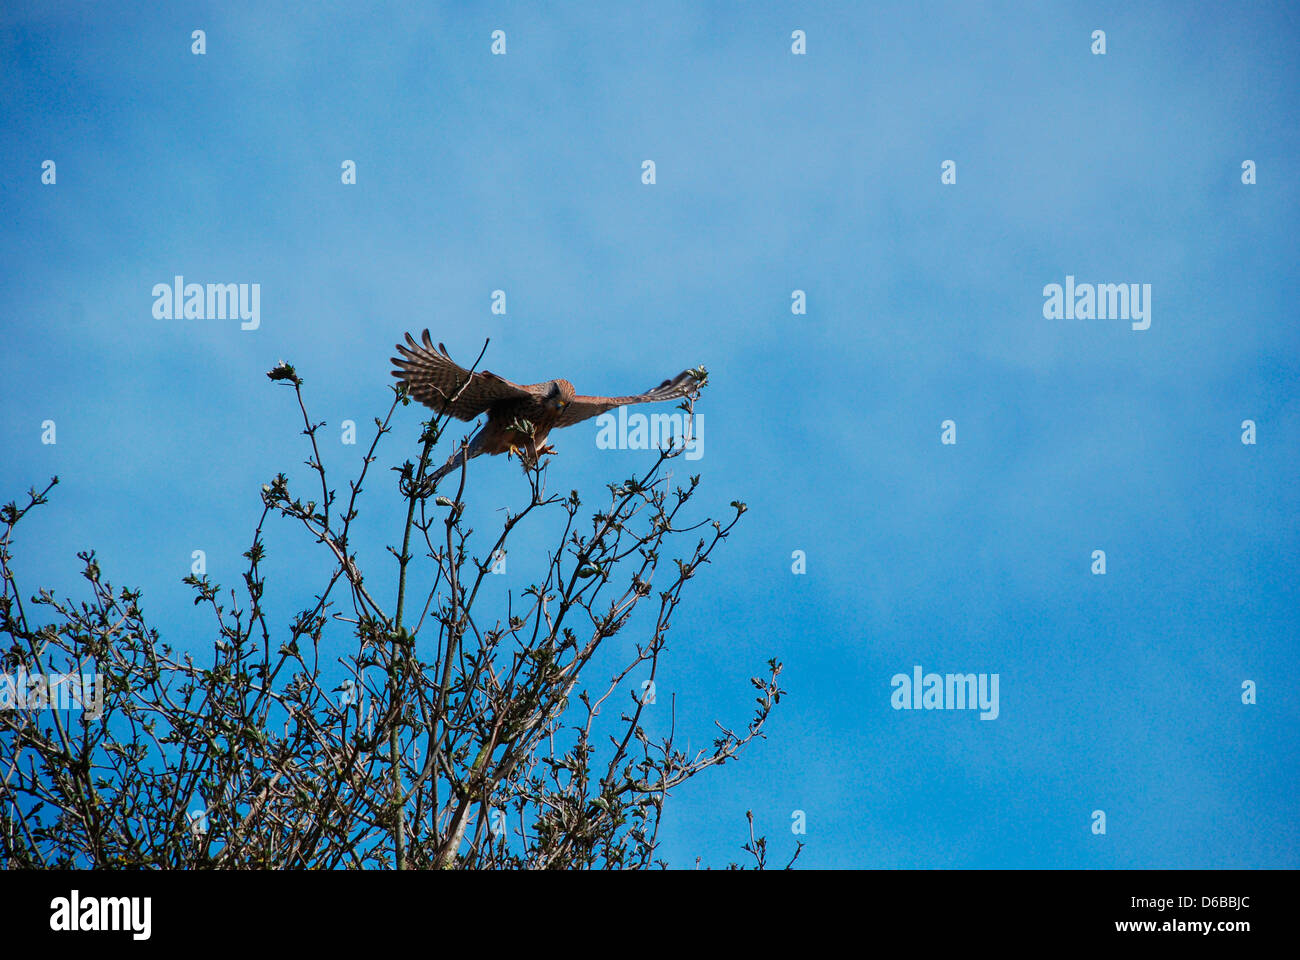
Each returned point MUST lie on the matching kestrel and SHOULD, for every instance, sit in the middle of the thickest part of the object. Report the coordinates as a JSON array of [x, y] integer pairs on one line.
[[434, 379]]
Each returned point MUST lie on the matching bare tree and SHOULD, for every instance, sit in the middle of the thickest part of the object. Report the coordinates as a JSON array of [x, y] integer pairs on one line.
[[461, 734]]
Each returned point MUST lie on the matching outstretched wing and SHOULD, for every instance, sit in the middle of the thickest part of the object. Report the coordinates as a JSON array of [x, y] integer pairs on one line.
[[436, 381], [582, 407]]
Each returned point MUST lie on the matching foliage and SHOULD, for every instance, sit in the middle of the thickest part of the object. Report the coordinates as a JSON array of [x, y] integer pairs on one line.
[[464, 735]]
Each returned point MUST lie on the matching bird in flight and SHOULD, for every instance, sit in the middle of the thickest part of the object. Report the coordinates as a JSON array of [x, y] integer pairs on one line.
[[433, 378]]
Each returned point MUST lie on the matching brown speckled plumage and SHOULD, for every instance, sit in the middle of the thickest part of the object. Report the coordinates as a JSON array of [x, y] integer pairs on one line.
[[437, 381]]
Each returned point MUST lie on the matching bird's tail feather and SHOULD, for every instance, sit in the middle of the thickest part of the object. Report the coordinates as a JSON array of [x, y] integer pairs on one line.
[[455, 460], [452, 464]]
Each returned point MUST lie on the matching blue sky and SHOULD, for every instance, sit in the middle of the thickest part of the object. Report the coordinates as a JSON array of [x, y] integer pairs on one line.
[[774, 173]]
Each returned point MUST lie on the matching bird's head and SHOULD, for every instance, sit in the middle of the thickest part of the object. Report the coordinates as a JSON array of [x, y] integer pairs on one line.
[[559, 395]]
